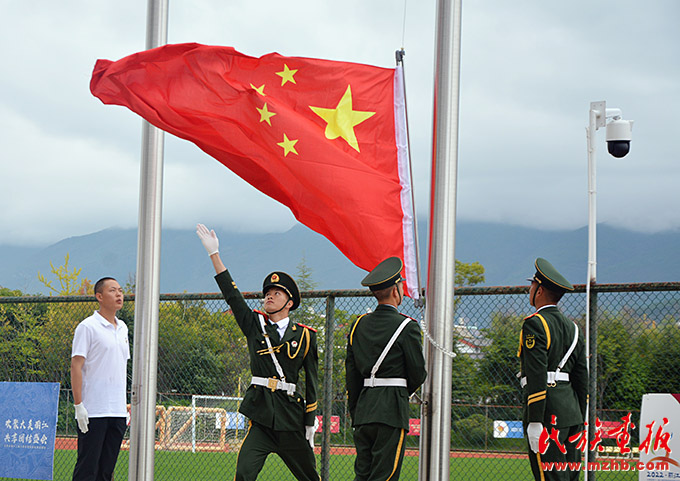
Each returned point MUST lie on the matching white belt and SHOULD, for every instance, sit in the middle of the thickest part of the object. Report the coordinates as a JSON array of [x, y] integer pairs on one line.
[[385, 381], [274, 384], [553, 377]]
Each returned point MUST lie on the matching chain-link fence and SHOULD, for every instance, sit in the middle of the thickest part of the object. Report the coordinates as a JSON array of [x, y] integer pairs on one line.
[[203, 371]]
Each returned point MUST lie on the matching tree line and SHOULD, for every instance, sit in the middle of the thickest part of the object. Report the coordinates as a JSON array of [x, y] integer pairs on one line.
[[202, 351]]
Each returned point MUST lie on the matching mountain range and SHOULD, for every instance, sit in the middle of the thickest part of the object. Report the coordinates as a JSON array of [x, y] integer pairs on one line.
[[507, 252]]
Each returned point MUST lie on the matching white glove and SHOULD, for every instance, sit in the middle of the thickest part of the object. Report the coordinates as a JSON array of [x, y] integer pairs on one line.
[[82, 417], [309, 434], [208, 238], [534, 431]]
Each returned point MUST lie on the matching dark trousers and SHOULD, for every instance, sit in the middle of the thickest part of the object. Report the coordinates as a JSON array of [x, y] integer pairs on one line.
[[291, 446], [380, 452], [553, 454], [98, 449]]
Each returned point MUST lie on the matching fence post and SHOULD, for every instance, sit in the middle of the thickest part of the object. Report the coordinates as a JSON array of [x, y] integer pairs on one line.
[[592, 384], [328, 388], [486, 415]]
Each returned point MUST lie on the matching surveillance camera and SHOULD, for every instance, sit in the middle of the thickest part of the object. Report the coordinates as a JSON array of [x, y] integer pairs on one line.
[[619, 133]]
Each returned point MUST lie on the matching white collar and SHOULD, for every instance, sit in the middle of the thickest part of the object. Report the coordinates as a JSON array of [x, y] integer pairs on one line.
[[282, 325], [548, 305], [104, 321]]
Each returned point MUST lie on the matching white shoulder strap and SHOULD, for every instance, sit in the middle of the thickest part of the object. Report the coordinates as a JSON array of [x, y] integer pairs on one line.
[[389, 346], [271, 351], [571, 349]]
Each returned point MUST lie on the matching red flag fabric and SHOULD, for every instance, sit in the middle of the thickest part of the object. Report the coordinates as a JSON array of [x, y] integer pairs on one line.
[[324, 138]]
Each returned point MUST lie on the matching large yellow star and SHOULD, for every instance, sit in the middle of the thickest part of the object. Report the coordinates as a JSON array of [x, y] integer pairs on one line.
[[286, 75], [265, 114], [288, 145], [342, 119]]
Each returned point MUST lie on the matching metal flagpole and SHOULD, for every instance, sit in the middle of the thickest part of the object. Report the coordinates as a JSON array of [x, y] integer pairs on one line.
[[439, 309], [147, 290]]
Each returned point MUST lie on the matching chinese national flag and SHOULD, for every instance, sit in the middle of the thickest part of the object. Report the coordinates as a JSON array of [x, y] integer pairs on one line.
[[326, 139]]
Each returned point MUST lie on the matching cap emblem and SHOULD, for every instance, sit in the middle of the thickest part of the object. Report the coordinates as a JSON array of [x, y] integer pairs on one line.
[[275, 278]]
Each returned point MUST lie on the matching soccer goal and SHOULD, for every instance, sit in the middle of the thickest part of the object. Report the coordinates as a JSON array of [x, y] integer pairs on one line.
[[211, 423]]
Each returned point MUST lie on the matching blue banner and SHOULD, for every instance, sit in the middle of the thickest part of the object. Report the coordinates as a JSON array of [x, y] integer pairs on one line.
[[28, 428]]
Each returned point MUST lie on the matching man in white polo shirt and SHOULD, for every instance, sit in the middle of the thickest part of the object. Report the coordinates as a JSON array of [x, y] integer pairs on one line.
[[99, 379]]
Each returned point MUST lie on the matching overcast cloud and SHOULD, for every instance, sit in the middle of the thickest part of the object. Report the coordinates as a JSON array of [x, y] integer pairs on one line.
[[70, 165]]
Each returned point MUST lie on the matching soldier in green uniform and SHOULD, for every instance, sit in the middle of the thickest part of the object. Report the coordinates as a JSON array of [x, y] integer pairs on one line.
[[384, 366], [281, 420], [553, 375]]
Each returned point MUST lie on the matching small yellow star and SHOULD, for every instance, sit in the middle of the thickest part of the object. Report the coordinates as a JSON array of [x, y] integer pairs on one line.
[[342, 119], [286, 75], [259, 90], [265, 114], [288, 145]]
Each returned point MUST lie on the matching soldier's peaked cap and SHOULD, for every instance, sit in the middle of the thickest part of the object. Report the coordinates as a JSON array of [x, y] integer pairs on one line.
[[384, 275], [282, 281], [547, 276]]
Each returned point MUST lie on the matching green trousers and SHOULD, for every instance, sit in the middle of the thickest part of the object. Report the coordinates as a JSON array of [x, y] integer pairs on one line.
[[380, 452], [291, 446]]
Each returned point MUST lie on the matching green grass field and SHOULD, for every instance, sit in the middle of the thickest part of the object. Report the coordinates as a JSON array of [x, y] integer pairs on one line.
[[186, 466]]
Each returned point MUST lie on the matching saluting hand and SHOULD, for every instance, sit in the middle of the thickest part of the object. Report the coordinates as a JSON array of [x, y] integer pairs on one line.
[[208, 239]]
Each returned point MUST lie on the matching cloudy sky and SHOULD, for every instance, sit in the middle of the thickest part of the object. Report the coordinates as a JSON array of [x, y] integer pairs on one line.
[[70, 165]]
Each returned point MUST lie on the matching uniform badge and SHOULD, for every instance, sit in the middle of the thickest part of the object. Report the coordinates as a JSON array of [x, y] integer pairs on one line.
[[275, 277], [529, 341], [294, 343]]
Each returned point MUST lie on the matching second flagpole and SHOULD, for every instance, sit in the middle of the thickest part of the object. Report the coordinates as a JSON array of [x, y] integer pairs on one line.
[[439, 310]]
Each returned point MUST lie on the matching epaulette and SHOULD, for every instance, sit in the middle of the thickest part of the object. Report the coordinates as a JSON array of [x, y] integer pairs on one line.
[[409, 317], [266, 316], [530, 315], [350, 336], [307, 327]]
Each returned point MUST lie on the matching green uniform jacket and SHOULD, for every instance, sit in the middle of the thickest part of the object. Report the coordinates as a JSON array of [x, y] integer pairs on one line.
[[544, 340], [297, 350], [367, 338]]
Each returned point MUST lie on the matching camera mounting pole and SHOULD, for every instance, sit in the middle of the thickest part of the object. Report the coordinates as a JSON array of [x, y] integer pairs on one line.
[[598, 115], [597, 119]]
